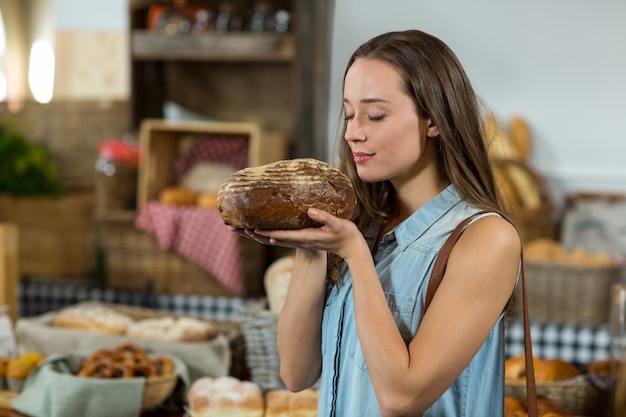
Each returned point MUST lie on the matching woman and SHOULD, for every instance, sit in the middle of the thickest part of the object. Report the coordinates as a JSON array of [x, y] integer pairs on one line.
[[354, 315]]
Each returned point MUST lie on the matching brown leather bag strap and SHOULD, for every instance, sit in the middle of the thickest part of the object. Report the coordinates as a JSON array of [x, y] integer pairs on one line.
[[435, 279]]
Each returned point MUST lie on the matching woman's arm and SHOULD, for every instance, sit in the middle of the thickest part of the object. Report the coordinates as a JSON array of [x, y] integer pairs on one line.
[[300, 321]]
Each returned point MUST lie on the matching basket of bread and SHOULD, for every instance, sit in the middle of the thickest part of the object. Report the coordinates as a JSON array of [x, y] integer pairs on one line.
[[562, 386], [522, 190], [208, 346], [130, 360], [569, 286], [84, 382]]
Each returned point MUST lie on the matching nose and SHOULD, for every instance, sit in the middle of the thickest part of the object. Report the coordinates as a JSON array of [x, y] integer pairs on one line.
[[354, 131]]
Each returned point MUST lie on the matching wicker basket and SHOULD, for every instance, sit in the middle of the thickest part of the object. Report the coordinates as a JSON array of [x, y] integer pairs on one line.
[[259, 330], [570, 294], [579, 397], [133, 260], [55, 236], [230, 329], [157, 390]]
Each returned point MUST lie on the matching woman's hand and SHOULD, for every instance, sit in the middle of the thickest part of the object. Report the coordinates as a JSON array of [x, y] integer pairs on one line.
[[336, 235]]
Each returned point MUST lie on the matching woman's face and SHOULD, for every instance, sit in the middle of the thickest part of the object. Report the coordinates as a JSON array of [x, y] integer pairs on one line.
[[383, 130]]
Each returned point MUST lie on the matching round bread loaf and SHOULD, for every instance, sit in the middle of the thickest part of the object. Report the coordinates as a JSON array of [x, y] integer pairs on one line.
[[278, 195]]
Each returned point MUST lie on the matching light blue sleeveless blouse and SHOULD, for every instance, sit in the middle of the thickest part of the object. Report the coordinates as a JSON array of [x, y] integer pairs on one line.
[[404, 262]]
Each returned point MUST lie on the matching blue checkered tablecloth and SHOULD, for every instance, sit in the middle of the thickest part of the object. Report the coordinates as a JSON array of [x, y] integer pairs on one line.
[[574, 343], [39, 297], [580, 344]]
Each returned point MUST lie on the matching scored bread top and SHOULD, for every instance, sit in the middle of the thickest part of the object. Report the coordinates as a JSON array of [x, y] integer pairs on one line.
[[278, 195]]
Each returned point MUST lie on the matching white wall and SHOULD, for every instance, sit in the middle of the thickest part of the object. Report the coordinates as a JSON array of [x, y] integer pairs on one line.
[[91, 14], [560, 64]]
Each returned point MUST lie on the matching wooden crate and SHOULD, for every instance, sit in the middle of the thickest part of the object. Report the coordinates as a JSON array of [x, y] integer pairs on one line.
[[133, 261], [56, 236], [160, 141]]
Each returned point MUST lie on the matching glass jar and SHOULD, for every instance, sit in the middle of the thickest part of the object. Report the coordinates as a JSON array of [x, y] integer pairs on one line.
[[116, 174]]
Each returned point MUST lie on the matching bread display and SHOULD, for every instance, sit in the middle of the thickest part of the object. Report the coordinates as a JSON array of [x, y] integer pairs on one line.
[[171, 329], [550, 250], [278, 195], [108, 320], [514, 407], [546, 370], [521, 188], [127, 360], [98, 319], [225, 396], [276, 281]]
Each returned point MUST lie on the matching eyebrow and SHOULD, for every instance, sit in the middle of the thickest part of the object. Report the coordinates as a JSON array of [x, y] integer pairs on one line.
[[368, 100]]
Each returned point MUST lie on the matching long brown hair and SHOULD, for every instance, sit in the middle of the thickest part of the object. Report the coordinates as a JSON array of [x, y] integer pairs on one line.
[[441, 91]]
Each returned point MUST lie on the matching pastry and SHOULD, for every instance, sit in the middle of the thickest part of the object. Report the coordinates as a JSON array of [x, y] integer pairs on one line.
[[559, 370], [548, 370], [603, 367], [207, 200], [179, 196], [171, 329], [283, 403], [127, 360], [225, 396], [276, 281], [99, 319], [278, 195]]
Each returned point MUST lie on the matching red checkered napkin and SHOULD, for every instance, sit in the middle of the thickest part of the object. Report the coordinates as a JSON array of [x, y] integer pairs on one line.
[[198, 234]]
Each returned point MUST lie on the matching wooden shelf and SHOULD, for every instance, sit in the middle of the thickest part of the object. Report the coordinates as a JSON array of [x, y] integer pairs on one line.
[[240, 47]]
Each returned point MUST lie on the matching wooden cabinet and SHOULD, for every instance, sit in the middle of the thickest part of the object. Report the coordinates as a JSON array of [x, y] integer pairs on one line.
[[238, 76]]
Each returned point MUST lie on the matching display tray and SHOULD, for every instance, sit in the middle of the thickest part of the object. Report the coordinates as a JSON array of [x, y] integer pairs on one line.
[[223, 355]]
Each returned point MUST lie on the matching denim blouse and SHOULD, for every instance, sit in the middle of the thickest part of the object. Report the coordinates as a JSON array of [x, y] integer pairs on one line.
[[404, 262]]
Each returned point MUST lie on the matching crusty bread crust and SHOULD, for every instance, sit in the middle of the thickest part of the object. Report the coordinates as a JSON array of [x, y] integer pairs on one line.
[[278, 195]]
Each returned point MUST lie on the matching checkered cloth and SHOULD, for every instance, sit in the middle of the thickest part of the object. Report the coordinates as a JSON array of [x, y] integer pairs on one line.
[[197, 234], [580, 344], [225, 149], [40, 297]]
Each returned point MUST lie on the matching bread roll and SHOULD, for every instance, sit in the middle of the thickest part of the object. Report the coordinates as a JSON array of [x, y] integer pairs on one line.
[[225, 396], [278, 195], [284, 403], [179, 196], [97, 319], [276, 281]]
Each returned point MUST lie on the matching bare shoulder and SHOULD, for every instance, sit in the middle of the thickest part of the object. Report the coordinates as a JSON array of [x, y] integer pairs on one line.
[[493, 234]]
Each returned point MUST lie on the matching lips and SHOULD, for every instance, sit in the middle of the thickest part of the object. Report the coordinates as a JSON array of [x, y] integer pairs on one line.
[[362, 157]]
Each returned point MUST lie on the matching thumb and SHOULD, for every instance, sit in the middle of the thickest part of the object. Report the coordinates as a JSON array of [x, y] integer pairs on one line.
[[318, 215]]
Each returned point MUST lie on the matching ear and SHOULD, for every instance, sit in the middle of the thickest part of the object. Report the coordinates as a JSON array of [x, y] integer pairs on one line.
[[432, 131]]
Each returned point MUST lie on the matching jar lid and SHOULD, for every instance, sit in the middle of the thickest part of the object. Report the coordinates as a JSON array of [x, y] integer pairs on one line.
[[120, 150]]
